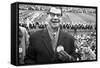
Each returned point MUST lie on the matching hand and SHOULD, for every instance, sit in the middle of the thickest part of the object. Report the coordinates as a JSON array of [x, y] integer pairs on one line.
[[64, 56]]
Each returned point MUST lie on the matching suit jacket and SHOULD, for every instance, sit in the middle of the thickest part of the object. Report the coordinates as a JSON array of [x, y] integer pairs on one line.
[[40, 50]]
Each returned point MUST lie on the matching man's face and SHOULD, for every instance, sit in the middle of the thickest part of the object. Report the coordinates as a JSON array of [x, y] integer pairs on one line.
[[54, 17]]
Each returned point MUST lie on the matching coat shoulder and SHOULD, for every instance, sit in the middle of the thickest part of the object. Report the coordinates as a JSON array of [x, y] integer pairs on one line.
[[68, 35], [37, 33]]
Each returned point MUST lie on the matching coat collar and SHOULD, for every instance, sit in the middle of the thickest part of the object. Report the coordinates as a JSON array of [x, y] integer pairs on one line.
[[45, 34]]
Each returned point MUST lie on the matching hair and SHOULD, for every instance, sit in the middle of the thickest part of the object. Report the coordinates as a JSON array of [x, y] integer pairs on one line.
[[56, 8]]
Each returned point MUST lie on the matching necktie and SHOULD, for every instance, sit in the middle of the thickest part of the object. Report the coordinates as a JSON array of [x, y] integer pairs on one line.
[[54, 35], [54, 41]]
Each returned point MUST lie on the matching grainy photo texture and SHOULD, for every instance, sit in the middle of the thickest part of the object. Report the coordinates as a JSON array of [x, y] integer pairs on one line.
[[56, 34]]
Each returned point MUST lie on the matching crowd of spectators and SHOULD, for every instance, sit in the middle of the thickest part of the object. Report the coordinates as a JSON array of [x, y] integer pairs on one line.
[[63, 26], [78, 26], [86, 46]]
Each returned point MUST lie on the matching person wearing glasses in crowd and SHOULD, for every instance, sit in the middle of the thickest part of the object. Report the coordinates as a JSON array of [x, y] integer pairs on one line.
[[51, 45]]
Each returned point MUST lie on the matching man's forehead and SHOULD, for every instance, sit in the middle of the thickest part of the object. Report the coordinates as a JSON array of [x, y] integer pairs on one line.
[[55, 10]]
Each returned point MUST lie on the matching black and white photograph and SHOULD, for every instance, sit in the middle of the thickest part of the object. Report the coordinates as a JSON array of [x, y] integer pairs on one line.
[[53, 33]]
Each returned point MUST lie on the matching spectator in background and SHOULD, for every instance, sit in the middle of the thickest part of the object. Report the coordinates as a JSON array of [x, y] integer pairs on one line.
[[23, 43], [87, 54]]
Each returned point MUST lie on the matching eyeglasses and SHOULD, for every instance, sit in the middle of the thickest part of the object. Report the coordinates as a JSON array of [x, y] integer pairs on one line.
[[53, 14]]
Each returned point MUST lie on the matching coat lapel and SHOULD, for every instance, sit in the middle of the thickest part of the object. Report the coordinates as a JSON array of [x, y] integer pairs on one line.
[[47, 41], [60, 38]]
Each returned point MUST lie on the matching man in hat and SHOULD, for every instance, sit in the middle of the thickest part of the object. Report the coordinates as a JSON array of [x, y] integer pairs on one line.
[[44, 44]]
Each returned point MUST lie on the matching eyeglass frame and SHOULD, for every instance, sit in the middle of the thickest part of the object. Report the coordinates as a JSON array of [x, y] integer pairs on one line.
[[53, 14]]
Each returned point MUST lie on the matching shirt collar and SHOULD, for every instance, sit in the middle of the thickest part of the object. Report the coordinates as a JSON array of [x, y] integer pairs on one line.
[[50, 31]]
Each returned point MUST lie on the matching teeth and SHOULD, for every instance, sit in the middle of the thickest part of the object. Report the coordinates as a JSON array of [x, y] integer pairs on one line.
[[55, 21]]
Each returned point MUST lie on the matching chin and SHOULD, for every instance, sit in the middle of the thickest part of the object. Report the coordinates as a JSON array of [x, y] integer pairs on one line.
[[55, 26]]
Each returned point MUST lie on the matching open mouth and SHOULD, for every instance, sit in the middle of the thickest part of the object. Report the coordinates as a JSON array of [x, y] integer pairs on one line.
[[55, 20]]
